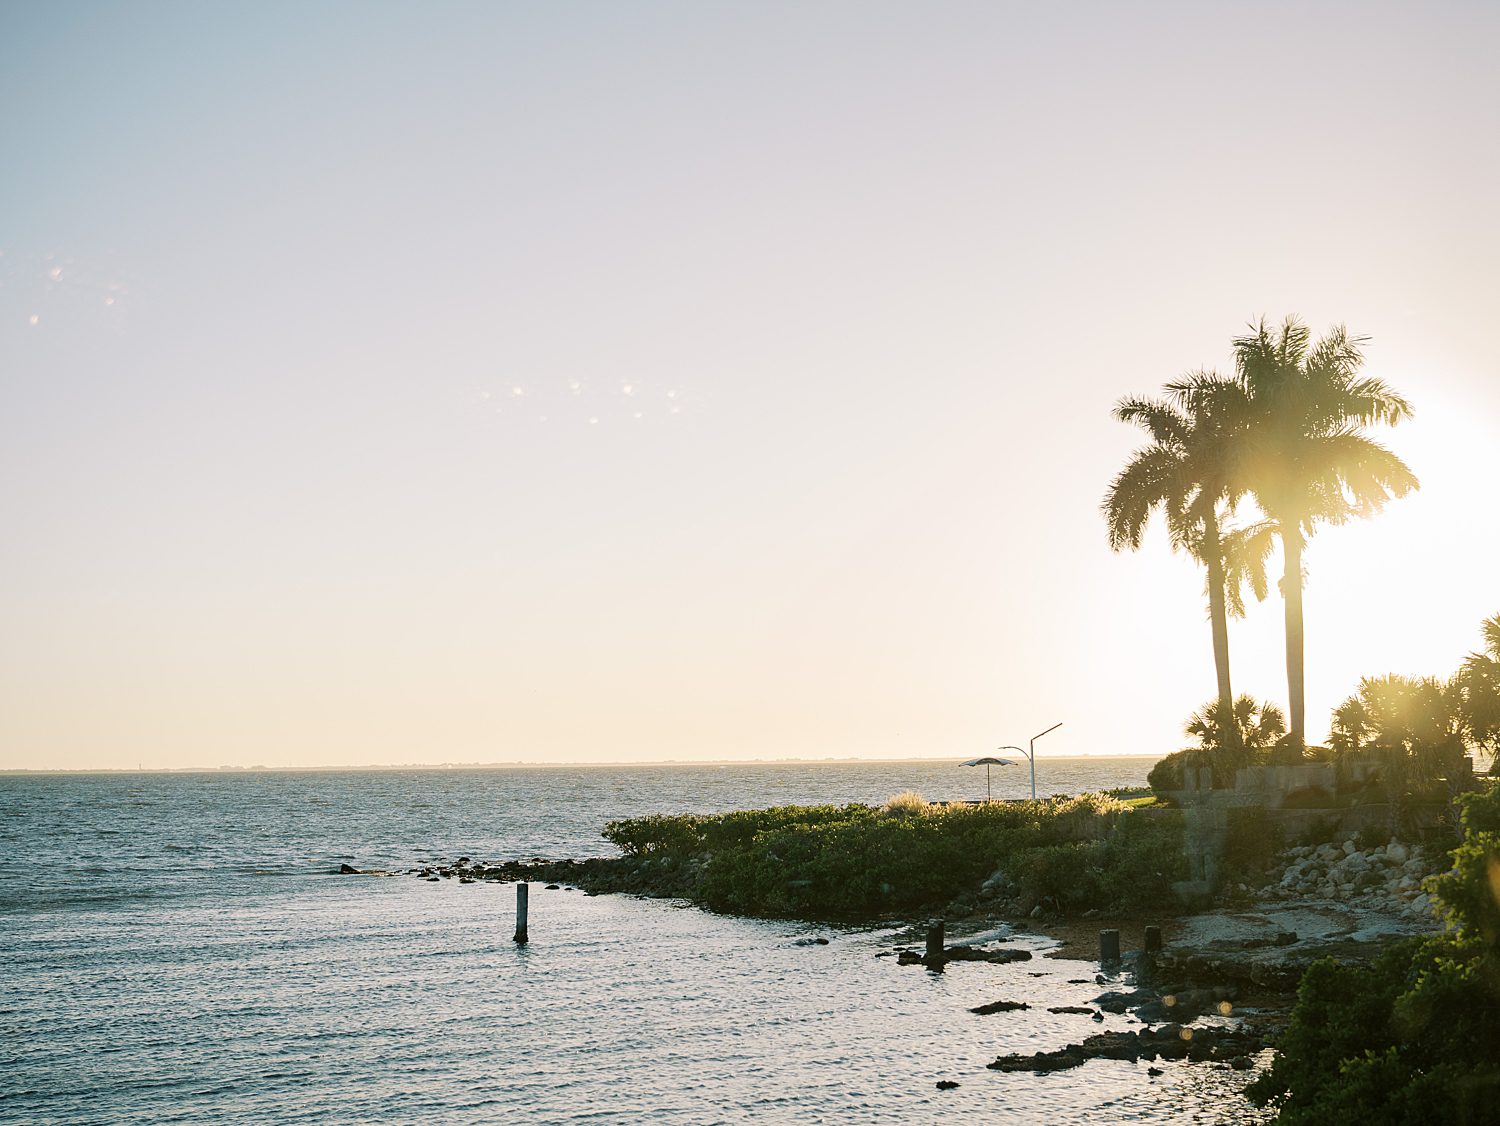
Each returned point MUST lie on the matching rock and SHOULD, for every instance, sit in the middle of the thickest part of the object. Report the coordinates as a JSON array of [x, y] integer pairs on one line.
[[973, 954], [1041, 1062], [1080, 1010], [999, 1007], [348, 870], [1154, 1072], [1241, 1063], [1398, 852], [946, 1085], [1036, 912], [552, 887], [1350, 848]]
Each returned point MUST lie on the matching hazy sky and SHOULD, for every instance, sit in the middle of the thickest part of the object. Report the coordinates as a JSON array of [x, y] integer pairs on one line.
[[480, 382]]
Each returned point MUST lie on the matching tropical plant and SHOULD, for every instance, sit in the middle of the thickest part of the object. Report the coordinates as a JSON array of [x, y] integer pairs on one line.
[[1413, 727], [1186, 473], [1478, 691], [1304, 455], [1415, 1037], [1397, 711], [1257, 725]]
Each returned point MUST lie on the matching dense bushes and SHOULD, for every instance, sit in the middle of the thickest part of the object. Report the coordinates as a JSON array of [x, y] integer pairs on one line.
[[1252, 841], [1416, 1037], [857, 861]]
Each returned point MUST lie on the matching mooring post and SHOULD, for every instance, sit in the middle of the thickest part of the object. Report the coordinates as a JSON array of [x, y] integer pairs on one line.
[[523, 892], [1152, 945], [935, 941], [1109, 947]]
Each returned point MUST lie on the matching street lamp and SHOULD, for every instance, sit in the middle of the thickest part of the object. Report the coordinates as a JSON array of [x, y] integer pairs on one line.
[[1031, 754]]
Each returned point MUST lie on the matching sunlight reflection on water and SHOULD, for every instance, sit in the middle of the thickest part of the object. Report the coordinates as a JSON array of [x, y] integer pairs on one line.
[[149, 984]]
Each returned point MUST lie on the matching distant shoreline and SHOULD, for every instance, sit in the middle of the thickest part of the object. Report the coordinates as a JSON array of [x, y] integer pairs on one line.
[[524, 765]]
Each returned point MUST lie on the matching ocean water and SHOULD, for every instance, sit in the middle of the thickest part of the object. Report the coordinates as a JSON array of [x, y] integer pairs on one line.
[[176, 949]]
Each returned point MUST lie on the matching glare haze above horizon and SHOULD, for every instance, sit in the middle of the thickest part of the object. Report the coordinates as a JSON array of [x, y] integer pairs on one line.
[[483, 383]]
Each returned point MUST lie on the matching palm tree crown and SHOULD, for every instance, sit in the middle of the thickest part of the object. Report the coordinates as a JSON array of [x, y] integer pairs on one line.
[[1304, 455], [1187, 472]]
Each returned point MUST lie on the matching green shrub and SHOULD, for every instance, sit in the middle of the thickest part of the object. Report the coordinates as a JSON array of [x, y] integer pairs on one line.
[[1143, 857], [1251, 843], [1415, 1038], [858, 862], [1069, 875]]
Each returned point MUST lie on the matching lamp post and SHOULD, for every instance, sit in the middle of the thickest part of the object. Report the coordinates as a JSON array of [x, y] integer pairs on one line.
[[1031, 754]]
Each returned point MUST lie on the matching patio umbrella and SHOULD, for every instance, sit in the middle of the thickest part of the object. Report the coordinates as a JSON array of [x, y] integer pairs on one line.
[[987, 762]]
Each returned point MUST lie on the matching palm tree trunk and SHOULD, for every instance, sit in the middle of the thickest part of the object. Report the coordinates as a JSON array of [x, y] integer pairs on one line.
[[1291, 593], [1218, 619]]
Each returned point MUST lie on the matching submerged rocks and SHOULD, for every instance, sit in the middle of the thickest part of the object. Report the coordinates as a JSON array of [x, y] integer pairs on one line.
[[348, 870], [1170, 1042], [1001, 957], [999, 1007], [962, 953]]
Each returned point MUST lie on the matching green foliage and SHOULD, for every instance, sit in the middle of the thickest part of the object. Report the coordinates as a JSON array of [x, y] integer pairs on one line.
[[1251, 843], [1477, 687], [657, 833], [1414, 1038], [1251, 725], [1069, 875], [856, 862], [1166, 775], [1468, 894], [1143, 857]]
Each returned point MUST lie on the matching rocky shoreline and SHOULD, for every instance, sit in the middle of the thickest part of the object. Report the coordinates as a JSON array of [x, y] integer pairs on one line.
[[1217, 993]]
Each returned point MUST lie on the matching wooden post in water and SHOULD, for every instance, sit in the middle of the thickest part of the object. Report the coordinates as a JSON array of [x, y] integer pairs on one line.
[[1152, 944], [935, 941], [523, 892], [1109, 947]]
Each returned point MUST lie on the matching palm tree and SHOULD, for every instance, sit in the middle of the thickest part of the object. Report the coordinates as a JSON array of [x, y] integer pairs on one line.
[[1259, 724], [1478, 684], [1304, 455], [1186, 472]]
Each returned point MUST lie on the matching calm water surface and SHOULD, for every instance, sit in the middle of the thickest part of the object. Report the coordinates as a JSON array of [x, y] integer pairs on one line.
[[177, 951]]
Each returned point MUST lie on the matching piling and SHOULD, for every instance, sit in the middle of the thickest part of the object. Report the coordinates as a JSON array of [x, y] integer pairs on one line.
[[1152, 945], [1109, 947], [523, 893], [935, 941]]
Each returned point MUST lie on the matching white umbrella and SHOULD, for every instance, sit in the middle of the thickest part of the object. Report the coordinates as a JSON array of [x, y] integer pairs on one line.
[[987, 762]]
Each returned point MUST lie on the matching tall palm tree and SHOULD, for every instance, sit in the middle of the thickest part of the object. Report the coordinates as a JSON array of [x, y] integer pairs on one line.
[[1186, 472], [1305, 457]]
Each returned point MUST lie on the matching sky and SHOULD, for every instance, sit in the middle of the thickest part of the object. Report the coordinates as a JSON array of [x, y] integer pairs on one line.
[[387, 383]]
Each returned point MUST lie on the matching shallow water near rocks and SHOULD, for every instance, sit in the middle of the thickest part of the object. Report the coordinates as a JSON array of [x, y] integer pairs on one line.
[[178, 952]]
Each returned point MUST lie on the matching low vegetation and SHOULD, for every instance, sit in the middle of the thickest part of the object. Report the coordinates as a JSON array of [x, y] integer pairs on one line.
[[860, 862], [1415, 1038]]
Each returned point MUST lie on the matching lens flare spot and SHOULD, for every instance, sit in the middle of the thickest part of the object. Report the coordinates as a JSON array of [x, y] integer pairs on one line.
[[1225, 1008]]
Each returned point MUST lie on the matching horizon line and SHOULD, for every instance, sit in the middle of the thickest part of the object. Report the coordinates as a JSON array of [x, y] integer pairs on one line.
[[514, 764]]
